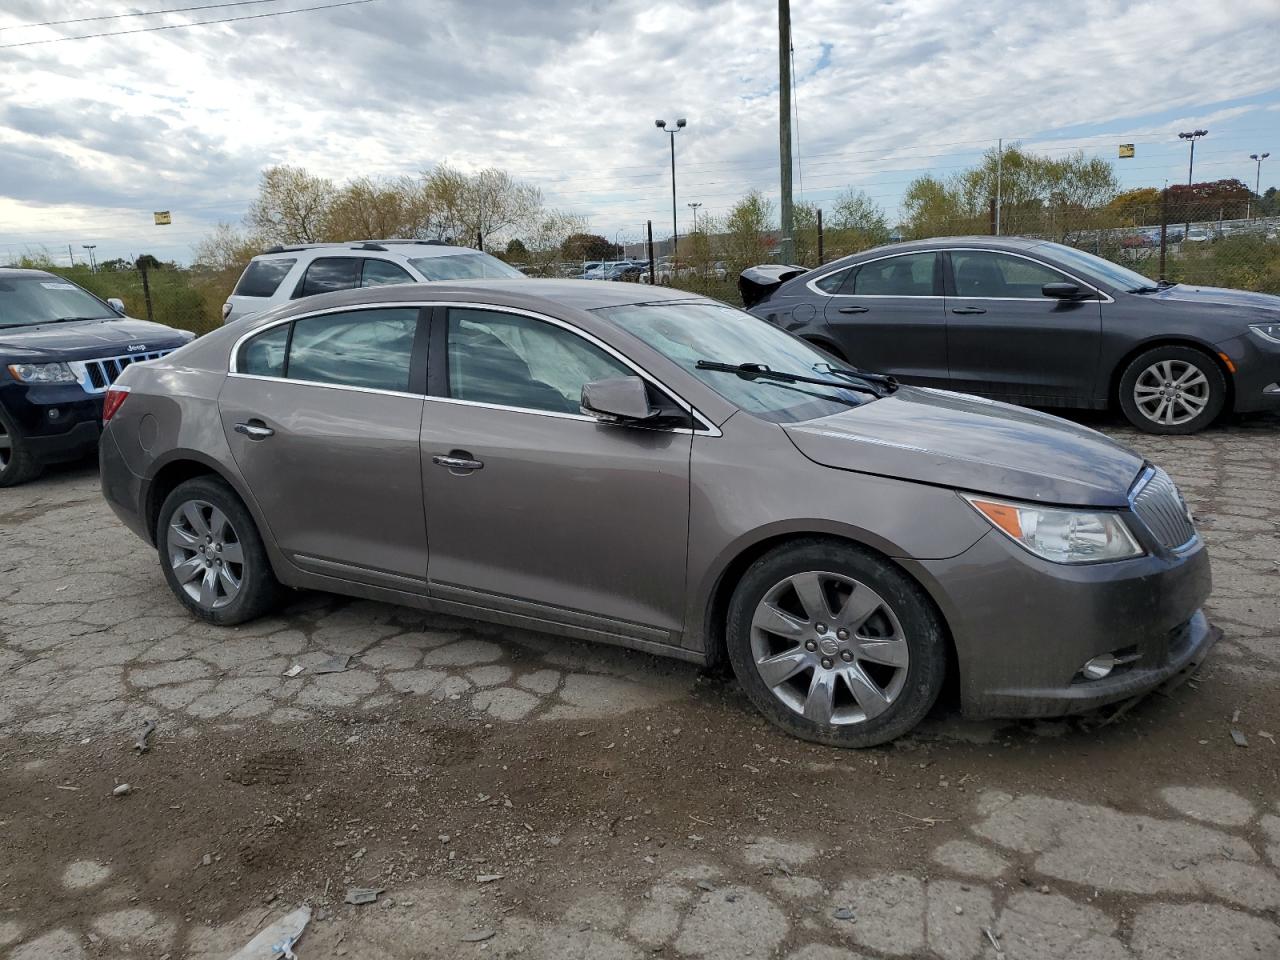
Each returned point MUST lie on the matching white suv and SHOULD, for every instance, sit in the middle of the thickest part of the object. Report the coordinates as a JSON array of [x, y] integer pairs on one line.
[[282, 274]]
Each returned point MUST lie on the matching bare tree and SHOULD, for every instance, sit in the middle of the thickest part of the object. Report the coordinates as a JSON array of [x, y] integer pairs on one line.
[[292, 206]]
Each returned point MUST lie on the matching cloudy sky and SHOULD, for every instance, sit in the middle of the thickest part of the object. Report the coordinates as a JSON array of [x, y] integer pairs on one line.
[[95, 134]]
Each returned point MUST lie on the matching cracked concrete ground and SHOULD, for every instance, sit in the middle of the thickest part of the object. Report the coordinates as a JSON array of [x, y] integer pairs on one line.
[[628, 806]]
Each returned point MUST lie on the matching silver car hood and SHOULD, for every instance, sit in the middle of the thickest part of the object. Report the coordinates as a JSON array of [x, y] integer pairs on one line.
[[955, 440]]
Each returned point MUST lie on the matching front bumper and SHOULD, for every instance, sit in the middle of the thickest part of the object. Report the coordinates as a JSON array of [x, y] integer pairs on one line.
[[1023, 627], [57, 421], [1256, 380]]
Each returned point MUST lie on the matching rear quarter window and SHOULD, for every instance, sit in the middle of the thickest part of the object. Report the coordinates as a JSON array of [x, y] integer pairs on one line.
[[262, 278]]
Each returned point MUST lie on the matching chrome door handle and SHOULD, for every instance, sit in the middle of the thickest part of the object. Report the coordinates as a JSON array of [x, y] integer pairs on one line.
[[854, 309], [456, 463], [254, 430]]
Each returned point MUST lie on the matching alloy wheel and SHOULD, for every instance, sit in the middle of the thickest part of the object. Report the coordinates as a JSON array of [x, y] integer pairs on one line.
[[205, 554], [830, 648], [6, 447], [1172, 392]]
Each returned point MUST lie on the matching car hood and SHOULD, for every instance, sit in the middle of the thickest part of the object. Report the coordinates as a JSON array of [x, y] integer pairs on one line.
[[955, 440], [87, 339], [1262, 302]]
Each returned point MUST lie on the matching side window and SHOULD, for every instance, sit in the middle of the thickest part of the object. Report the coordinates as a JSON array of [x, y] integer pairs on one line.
[[357, 348], [517, 361], [328, 274], [910, 275], [832, 282], [379, 273], [263, 356], [262, 278], [984, 273]]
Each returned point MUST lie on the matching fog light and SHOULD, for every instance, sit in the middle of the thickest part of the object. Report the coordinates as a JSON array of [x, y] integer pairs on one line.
[[54, 413], [1099, 667]]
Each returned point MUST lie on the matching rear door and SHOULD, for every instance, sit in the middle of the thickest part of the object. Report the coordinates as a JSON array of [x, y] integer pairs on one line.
[[1006, 340], [887, 315], [323, 415], [257, 287]]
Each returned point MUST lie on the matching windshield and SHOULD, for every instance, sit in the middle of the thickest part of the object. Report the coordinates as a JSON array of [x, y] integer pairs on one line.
[[686, 331], [26, 301], [463, 266], [1096, 268]]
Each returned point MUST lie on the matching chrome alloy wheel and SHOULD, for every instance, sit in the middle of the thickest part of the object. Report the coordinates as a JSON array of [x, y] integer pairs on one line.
[[1171, 392], [6, 447], [830, 648], [205, 554]]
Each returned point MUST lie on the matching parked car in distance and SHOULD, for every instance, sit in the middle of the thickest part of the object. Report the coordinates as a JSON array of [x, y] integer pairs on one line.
[[60, 349], [1036, 323], [1198, 235], [651, 469], [281, 274]]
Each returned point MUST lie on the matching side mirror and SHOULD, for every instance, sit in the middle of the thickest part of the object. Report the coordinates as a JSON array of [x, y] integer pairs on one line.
[[116, 304], [1063, 291], [617, 400]]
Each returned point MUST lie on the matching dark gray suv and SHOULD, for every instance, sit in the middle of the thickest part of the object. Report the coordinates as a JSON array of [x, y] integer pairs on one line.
[[635, 466]]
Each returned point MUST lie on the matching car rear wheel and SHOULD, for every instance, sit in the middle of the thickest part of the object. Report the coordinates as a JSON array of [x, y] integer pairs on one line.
[[835, 644], [16, 463], [1172, 390], [211, 554]]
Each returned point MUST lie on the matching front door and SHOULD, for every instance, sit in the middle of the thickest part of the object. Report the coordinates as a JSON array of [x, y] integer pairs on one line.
[[1006, 340], [322, 416], [887, 316], [534, 508]]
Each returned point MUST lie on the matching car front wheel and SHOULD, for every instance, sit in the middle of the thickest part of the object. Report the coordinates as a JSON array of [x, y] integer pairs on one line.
[[211, 554], [1172, 390], [835, 644], [16, 463]]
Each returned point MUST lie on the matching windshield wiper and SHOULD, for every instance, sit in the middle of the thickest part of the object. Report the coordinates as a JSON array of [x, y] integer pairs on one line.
[[75, 319], [890, 383], [760, 371]]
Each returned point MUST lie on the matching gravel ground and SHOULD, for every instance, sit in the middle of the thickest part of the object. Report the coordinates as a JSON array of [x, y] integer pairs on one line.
[[513, 794]]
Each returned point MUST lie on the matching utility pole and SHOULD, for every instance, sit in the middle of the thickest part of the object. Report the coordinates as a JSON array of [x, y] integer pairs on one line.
[[1257, 183], [787, 247], [71, 255], [999, 180], [1193, 136]]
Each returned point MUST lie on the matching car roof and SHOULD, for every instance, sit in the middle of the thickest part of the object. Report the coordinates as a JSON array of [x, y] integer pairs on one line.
[[367, 248], [528, 292], [27, 272], [934, 243]]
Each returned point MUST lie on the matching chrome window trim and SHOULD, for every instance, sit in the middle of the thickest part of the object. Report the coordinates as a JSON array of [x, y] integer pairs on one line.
[[709, 429], [1103, 295]]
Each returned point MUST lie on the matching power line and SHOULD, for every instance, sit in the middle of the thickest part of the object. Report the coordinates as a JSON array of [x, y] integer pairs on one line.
[[181, 26], [121, 16]]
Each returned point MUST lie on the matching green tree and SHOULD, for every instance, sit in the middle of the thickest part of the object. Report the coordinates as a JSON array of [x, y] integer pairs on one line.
[[517, 252], [1137, 207], [586, 246], [292, 206], [747, 231], [856, 223]]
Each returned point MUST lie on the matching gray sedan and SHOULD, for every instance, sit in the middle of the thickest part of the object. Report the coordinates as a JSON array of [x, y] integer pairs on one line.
[[639, 467], [1036, 323]]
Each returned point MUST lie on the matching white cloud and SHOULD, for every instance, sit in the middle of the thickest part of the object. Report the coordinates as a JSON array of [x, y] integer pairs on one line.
[[564, 93]]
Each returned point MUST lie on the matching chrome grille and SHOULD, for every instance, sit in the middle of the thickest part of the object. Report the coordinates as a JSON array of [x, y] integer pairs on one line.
[[1158, 504], [96, 375]]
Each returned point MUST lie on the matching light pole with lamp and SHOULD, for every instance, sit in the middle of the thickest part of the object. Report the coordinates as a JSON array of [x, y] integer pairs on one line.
[[1257, 183], [680, 125], [93, 263], [694, 207], [1193, 136]]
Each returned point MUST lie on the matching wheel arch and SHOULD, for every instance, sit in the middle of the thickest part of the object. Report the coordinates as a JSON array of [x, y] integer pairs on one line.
[[714, 632], [1171, 340], [178, 469]]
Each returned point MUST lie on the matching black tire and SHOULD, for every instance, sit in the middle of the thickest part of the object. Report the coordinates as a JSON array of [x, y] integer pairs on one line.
[[1213, 396], [921, 627], [17, 465], [258, 592]]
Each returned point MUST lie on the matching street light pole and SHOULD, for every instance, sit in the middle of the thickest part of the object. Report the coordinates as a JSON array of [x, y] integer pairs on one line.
[[680, 125], [1193, 136], [93, 263], [1257, 183], [694, 207]]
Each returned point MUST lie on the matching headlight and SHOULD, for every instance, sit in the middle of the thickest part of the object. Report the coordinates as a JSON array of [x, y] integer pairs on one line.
[[1267, 331], [1058, 534], [42, 372]]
